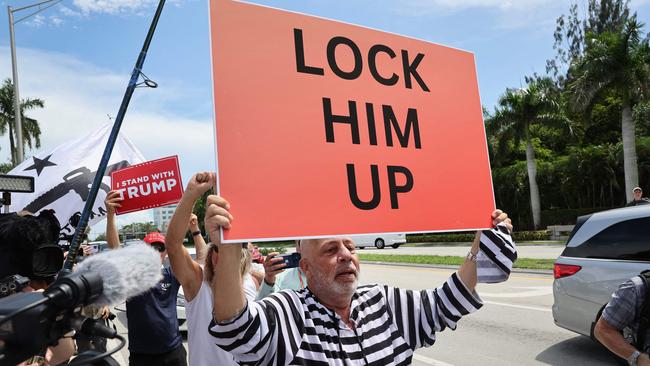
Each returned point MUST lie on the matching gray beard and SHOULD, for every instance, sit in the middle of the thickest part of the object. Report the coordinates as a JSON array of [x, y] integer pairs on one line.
[[320, 285]]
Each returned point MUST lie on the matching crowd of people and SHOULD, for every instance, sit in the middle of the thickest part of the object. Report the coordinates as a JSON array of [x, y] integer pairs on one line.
[[310, 314], [315, 313]]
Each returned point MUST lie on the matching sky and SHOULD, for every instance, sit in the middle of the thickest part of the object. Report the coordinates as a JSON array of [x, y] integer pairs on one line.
[[78, 56]]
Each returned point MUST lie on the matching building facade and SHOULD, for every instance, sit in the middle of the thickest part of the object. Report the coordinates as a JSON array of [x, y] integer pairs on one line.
[[162, 216]]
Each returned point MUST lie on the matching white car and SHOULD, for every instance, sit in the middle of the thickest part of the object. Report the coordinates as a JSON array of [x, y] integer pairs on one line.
[[379, 240]]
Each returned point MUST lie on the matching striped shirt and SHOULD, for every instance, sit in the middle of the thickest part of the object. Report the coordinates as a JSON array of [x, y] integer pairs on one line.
[[294, 328], [496, 256]]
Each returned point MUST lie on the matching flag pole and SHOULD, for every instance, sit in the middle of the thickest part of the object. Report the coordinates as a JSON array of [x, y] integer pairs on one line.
[[112, 138]]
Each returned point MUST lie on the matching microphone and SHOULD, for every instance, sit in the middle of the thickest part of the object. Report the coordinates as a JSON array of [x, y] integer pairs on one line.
[[124, 272]]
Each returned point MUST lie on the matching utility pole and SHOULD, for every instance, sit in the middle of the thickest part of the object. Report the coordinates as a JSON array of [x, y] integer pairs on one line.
[[18, 126], [20, 154]]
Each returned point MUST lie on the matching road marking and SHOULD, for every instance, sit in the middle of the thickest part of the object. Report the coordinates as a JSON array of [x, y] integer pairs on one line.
[[406, 267], [537, 308], [430, 361], [529, 292]]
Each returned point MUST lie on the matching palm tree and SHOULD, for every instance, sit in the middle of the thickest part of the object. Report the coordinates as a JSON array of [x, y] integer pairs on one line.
[[31, 129], [517, 111], [618, 62]]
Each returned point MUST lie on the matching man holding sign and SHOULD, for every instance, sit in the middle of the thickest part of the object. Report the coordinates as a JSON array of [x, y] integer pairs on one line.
[[332, 320], [362, 132]]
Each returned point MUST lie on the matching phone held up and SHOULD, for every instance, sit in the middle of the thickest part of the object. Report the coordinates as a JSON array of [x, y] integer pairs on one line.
[[291, 260]]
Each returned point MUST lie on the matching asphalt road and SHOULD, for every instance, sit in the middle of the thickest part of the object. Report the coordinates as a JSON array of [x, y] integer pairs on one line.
[[514, 327], [524, 251]]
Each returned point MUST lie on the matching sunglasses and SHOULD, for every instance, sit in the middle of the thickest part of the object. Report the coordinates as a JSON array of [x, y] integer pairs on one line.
[[159, 247]]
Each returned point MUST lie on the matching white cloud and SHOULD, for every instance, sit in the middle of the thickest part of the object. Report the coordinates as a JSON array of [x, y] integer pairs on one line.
[[56, 20], [64, 10], [78, 96], [37, 21], [117, 6], [112, 6], [86, 8]]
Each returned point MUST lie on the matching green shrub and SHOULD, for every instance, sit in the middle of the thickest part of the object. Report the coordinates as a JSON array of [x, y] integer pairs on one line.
[[464, 237], [266, 251], [460, 237], [531, 235]]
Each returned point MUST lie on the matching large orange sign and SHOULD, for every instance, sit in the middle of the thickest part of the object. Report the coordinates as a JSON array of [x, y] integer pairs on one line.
[[325, 128]]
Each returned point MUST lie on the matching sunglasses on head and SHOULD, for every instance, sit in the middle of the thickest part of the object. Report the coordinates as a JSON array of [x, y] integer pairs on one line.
[[158, 246]]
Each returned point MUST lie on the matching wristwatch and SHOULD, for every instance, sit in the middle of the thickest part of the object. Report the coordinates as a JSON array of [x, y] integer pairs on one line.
[[195, 233], [633, 358]]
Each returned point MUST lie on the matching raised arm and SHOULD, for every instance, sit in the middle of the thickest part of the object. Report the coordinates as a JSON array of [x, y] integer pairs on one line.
[[199, 244], [227, 288], [186, 270], [437, 309], [113, 200]]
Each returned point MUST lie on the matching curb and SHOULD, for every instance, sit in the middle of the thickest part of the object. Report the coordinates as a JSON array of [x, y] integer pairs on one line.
[[443, 266]]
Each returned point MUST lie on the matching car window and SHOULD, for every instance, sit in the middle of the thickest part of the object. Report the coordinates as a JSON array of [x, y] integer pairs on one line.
[[629, 240]]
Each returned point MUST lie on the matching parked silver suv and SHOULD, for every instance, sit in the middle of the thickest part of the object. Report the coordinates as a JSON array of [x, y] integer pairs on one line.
[[604, 250]]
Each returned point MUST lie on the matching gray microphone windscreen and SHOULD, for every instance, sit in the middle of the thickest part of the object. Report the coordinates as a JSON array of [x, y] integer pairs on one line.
[[125, 272]]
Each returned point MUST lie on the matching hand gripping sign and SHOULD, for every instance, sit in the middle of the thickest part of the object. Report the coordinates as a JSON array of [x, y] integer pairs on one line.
[[147, 185], [325, 128]]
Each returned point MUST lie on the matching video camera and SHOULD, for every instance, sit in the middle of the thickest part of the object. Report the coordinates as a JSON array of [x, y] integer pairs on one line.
[[32, 321]]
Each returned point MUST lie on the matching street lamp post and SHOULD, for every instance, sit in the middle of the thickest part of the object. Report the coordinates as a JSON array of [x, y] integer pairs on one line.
[[14, 69]]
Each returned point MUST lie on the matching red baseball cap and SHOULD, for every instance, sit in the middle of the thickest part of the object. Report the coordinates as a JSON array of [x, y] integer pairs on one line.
[[154, 237]]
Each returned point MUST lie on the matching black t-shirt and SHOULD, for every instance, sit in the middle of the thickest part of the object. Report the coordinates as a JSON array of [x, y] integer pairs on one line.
[[642, 201], [152, 319]]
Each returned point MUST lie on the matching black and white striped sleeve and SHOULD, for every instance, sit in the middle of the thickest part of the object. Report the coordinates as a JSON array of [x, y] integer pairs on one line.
[[497, 255], [419, 315], [266, 332]]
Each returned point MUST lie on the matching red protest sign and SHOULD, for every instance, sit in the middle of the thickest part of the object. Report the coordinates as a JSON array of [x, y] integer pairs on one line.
[[325, 128], [147, 185]]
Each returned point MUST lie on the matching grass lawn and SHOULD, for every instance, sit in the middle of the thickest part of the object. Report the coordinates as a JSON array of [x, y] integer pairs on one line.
[[527, 263]]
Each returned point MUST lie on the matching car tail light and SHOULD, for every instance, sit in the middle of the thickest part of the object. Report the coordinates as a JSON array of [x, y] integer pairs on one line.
[[564, 270]]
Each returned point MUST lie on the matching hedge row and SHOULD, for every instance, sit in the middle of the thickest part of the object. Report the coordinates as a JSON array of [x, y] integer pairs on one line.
[[463, 237], [459, 237]]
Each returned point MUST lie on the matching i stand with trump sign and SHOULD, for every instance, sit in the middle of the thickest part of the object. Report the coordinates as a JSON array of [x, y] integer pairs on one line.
[[325, 128], [154, 183]]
